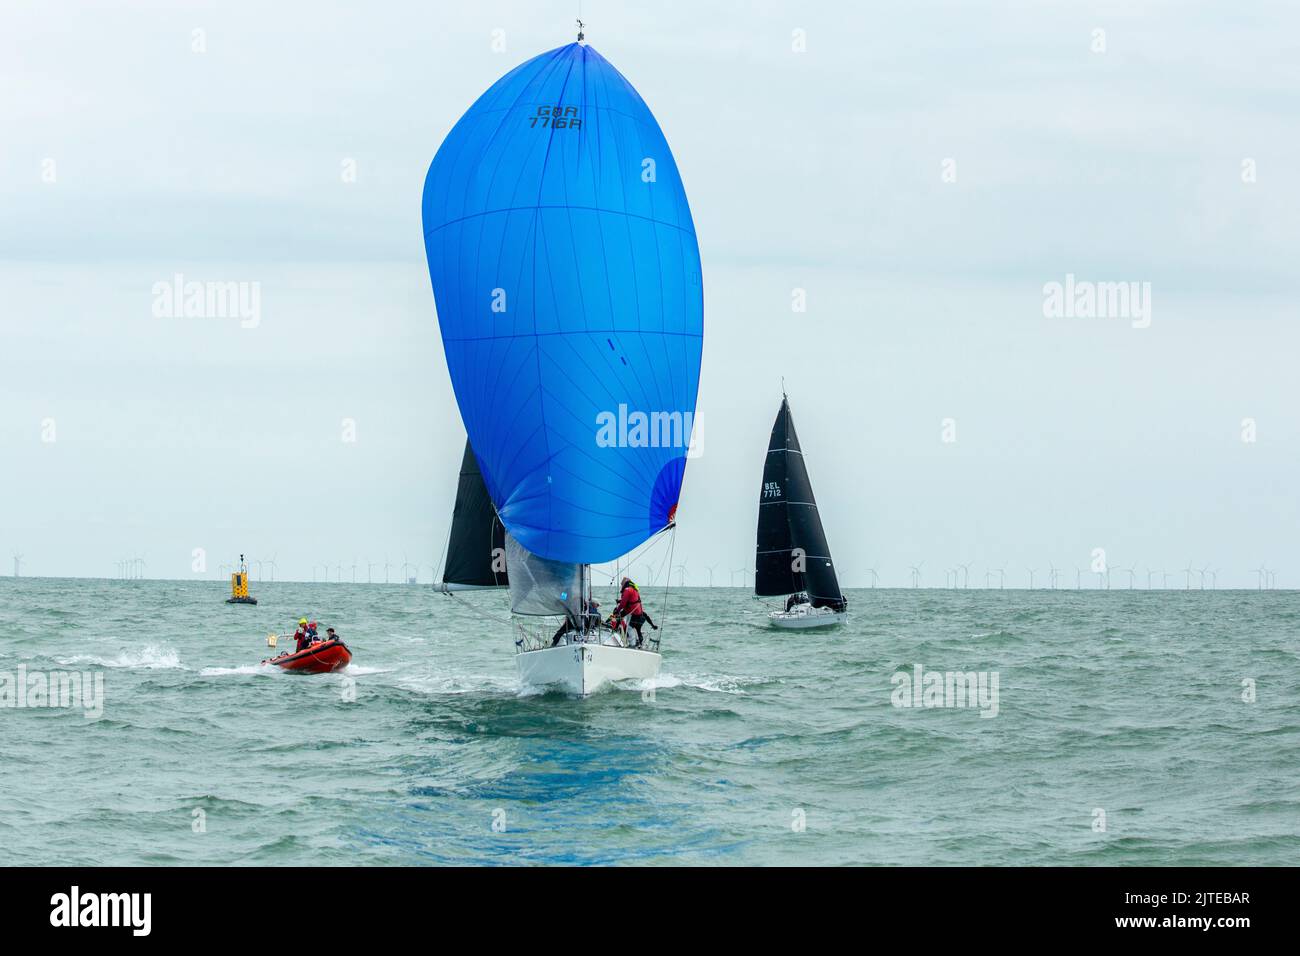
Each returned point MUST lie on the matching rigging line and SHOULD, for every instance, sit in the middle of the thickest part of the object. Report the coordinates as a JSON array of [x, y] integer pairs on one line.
[[644, 552], [650, 545], [668, 580], [672, 543], [446, 549], [479, 612], [654, 542]]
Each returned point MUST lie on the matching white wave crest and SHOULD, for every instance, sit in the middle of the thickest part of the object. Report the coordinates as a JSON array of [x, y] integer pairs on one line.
[[242, 669], [713, 683], [149, 657]]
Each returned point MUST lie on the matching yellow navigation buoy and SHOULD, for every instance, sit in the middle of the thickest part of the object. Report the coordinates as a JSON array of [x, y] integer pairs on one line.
[[239, 586]]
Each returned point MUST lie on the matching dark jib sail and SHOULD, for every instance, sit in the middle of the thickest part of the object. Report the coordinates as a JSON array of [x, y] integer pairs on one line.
[[476, 546], [792, 553]]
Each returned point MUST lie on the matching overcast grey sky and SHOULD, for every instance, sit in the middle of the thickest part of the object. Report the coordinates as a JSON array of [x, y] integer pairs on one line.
[[128, 156]]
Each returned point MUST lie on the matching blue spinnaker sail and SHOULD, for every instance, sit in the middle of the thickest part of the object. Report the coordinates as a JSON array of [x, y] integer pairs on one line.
[[567, 279]]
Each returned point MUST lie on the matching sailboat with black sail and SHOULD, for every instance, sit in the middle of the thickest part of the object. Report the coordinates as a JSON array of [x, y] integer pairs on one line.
[[566, 273], [792, 558], [476, 545]]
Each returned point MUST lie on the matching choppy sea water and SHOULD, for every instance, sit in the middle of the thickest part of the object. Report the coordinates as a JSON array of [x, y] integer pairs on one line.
[[753, 747]]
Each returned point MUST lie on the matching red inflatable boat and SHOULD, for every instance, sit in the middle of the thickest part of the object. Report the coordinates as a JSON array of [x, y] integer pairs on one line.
[[319, 658]]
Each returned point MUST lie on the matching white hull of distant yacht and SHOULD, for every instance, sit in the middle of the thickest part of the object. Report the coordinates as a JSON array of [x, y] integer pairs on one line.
[[805, 615], [585, 668]]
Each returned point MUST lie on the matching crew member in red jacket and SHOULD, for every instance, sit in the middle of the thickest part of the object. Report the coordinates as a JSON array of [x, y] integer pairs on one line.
[[629, 607]]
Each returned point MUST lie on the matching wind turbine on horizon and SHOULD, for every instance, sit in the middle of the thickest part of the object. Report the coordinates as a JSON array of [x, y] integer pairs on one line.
[[18, 563], [916, 574]]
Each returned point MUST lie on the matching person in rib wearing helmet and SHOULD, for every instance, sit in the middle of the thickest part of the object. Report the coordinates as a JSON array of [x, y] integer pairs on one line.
[[302, 635]]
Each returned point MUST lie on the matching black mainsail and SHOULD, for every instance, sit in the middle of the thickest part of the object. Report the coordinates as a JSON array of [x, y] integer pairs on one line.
[[792, 554], [476, 547]]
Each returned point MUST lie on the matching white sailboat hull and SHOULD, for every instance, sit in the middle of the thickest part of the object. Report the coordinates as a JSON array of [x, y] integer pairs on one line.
[[584, 669], [806, 616]]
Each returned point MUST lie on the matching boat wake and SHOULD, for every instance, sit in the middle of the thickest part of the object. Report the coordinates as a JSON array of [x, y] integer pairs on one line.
[[356, 670], [460, 684], [713, 683], [243, 669], [149, 657]]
